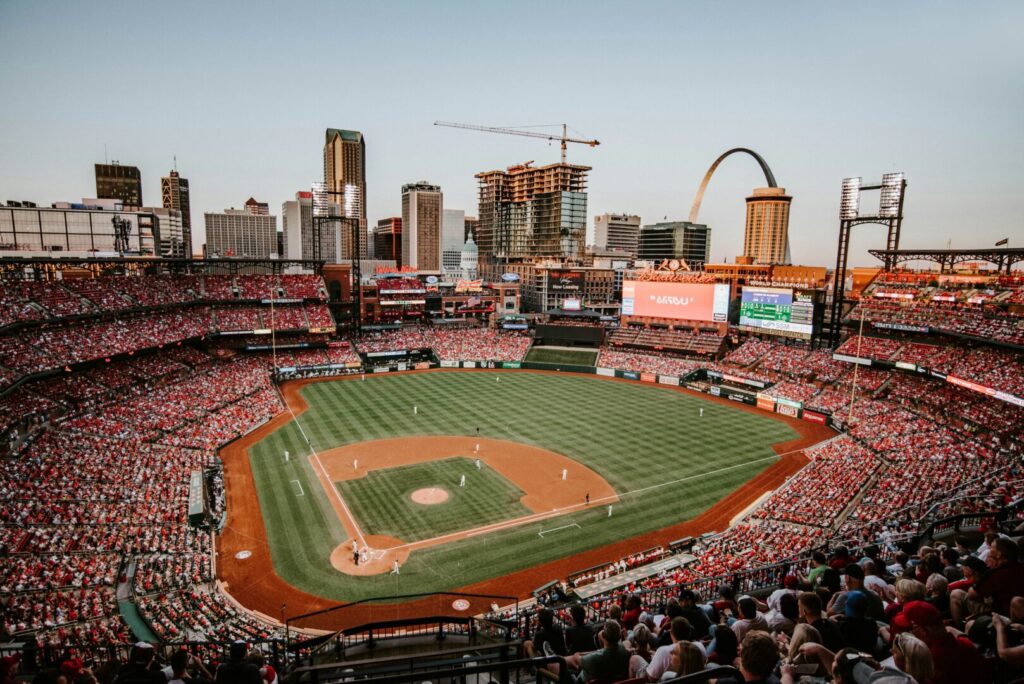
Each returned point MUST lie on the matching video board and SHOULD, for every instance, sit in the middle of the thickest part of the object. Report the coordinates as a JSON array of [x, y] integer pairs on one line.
[[565, 281], [777, 311], [707, 302]]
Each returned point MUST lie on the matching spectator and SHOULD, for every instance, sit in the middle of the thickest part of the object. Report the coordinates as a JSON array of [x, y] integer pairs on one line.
[[956, 659], [758, 657], [811, 614], [579, 638], [608, 663], [141, 668]]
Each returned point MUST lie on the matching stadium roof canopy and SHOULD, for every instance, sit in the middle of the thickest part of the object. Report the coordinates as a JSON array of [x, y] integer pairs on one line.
[[1003, 257]]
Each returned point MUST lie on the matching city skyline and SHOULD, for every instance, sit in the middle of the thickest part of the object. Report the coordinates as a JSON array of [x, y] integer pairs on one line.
[[834, 92]]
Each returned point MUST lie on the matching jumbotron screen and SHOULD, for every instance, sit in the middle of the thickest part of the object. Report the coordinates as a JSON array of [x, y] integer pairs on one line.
[[778, 311], [683, 301]]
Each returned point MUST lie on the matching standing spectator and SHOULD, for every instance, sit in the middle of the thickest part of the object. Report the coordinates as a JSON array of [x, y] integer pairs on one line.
[[237, 670], [141, 669], [580, 637]]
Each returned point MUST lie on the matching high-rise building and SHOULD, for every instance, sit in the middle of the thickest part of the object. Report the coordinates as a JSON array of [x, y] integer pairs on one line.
[[297, 230], [240, 233], [174, 190], [453, 238], [422, 209], [345, 177], [766, 239], [387, 240], [258, 208], [532, 213], [617, 231], [690, 242], [115, 181]]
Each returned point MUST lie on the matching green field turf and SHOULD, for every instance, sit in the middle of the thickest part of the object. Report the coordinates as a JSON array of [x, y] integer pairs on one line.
[[381, 505], [666, 463], [577, 357]]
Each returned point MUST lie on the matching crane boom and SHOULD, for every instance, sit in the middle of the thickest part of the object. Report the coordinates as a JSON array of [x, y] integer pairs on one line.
[[563, 139]]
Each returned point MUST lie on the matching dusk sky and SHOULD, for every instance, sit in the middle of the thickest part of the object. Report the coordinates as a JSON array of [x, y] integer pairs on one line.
[[242, 93]]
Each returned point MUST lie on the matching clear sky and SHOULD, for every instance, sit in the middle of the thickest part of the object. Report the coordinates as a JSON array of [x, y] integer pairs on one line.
[[242, 93]]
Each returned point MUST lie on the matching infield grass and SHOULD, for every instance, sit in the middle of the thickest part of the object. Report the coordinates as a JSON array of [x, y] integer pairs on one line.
[[665, 461], [381, 501]]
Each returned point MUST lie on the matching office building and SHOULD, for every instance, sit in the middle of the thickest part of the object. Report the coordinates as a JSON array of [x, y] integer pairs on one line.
[[241, 233], [619, 232], [345, 178], [387, 240], [766, 239], [690, 242], [174, 190], [114, 181], [453, 239], [422, 210], [298, 234], [532, 213], [258, 208]]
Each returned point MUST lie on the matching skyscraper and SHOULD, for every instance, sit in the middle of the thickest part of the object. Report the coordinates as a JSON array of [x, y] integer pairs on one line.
[[766, 239], [532, 213], [422, 209], [240, 233], [453, 230], [345, 171], [174, 190], [617, 231], [387, 240], [124, 183], [690, 242]]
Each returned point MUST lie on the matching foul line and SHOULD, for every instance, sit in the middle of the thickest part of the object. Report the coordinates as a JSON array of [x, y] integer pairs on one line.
[[337, 494]]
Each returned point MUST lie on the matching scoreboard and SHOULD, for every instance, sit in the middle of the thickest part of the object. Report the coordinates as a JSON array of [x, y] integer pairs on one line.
[[777, 311]]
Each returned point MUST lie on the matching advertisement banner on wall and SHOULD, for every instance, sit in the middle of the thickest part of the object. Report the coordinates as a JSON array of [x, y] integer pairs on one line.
[[787, 410], [511, 364], [648, 377], [607, 372], [469, 364], [814, 417], [716, 391], [447, 363], [630, 375], [765, 402], [668, 380], [565, 281]]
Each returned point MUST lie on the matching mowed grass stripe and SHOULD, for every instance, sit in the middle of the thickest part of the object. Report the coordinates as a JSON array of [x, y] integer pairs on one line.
[[634, 435]]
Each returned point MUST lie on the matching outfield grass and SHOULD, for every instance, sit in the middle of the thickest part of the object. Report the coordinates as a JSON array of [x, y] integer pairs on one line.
[[381, 505], [577, 357], [666, 463]]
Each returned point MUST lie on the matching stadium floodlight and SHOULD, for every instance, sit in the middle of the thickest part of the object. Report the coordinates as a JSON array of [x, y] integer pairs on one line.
[[352, 201], [891, 195], [849, 206], [320, 203]]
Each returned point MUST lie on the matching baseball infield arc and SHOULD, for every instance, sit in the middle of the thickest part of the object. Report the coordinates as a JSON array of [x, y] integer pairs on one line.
[[255, 584]]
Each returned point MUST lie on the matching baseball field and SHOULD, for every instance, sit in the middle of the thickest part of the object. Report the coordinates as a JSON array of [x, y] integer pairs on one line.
[[460, 477]]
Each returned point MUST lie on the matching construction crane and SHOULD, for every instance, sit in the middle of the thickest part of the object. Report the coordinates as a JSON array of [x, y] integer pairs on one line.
[[563, 139]]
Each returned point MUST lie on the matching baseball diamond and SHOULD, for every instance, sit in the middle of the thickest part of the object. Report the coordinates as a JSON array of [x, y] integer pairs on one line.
[[644, 447]]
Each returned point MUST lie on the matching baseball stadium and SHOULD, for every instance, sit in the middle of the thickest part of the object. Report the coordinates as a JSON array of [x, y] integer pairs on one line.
[[199, 452]]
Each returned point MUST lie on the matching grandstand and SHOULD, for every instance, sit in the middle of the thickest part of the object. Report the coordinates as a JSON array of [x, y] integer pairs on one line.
[[119, 387]]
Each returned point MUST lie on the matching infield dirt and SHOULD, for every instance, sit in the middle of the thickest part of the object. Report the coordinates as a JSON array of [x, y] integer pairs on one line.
[[255, 585]]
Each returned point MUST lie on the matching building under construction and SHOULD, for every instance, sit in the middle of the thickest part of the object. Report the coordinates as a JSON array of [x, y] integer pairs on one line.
[[529, 213]]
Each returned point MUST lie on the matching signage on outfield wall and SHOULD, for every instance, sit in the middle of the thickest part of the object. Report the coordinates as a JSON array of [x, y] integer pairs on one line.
[[422, 365], [630, 375], [648, 377], [607, 372], [668, 380], [765, 402], [375, 355], [447, 363], [511, 364], [696, 387], [788, 402], [469, 364], [716, 391], [401, 365], [812, 417], [851, 359], [382, 369], [787, 410]]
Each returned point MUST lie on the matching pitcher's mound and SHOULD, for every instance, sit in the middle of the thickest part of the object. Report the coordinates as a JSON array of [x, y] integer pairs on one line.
[[429, 496]]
